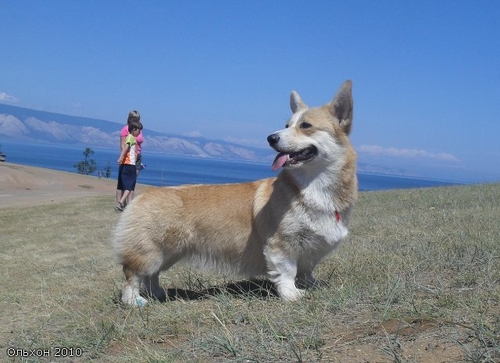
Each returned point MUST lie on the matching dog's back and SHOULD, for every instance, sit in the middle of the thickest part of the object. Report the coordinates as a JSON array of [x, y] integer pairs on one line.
[[206, 224]]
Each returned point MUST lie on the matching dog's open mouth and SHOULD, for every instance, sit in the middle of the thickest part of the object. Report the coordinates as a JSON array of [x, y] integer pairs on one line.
[[294, 158]]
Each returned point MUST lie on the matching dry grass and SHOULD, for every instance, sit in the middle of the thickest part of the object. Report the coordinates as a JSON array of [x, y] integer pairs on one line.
[[417, 281]]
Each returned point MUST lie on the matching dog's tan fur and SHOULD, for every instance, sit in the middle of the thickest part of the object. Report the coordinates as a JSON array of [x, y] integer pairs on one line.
[[280, 227]]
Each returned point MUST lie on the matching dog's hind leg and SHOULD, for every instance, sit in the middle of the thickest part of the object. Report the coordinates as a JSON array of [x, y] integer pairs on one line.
[[131, 290], [153, 288]]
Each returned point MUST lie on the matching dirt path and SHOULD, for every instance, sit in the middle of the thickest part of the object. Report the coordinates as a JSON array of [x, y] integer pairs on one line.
[[22, 185]]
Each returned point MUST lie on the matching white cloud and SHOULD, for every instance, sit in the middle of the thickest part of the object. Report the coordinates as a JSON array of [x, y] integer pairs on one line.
[[406, 153], [4, 97]]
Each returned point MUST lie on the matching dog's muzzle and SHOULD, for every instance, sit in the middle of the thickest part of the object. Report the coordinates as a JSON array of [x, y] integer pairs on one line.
[[273, 139], [290, 157]]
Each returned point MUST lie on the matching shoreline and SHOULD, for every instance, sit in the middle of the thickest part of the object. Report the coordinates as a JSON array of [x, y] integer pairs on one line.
[[22, 185]]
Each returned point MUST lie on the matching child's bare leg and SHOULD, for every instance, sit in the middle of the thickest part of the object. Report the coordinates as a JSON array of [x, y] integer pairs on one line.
[[124, 197], [118, 195]]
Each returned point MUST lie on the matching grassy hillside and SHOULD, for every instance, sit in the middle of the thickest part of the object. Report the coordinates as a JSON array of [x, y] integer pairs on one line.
[[418, 280]]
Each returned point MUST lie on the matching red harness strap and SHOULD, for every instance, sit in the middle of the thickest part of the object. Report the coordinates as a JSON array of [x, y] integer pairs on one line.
[[337, 216]]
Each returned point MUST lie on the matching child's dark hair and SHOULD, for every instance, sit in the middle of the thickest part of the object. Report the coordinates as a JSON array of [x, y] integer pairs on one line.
[[134, 124]]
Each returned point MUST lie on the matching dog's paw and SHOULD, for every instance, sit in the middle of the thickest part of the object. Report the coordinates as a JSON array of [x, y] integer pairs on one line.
[[141, 302], [134, 300], [291, 294]]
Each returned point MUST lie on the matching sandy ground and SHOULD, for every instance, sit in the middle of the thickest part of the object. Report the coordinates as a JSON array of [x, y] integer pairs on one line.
[[22, 185]]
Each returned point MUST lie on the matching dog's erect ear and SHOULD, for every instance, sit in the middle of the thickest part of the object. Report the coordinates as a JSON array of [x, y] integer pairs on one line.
[[342, 106], [296, 102]]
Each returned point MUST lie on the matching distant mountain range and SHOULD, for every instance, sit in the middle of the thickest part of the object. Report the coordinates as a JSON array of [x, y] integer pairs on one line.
[[23, 124], [28, 125]]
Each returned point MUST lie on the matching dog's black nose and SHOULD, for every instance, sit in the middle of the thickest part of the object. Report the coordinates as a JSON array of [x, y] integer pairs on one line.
[[273, 139]]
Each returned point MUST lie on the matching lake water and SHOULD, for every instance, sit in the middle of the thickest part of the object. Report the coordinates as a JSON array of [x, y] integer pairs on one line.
[[163, 169]]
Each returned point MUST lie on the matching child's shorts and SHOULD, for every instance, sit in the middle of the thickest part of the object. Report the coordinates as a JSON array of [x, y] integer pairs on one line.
[[128, 177]]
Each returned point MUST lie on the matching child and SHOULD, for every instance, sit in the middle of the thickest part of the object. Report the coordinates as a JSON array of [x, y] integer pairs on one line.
[[132, 116], [127, 160]]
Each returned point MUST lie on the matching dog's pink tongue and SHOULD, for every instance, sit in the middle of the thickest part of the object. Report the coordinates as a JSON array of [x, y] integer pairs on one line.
[[280, 160]]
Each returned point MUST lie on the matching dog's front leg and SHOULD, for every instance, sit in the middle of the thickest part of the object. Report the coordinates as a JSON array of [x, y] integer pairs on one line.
[[307, 280], [282, 271]]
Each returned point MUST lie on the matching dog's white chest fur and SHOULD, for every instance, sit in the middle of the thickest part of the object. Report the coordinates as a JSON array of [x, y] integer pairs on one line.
[[332, 230], [318, 219]]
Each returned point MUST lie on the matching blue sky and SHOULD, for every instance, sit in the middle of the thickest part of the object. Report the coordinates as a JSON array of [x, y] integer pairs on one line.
[[426, 73]]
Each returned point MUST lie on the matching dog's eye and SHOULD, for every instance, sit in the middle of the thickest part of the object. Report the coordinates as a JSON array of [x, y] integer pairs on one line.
[[286, 126], [305, 125]]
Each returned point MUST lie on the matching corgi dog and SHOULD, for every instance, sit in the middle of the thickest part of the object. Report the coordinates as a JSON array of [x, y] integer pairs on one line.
[[279, 227]]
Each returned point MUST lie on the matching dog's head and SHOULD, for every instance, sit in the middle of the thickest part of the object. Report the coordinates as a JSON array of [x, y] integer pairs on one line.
[[314, 134]]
